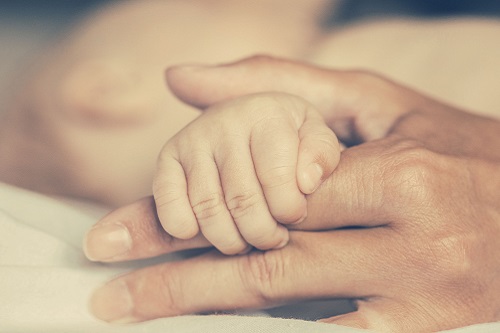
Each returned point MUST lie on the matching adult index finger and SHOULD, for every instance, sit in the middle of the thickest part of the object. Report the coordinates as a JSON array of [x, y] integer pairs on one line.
[[356, 105], [134, 232], [332, 264]]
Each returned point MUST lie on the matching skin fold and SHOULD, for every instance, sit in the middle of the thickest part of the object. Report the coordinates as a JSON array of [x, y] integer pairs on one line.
[[418, 179], [423, 198]]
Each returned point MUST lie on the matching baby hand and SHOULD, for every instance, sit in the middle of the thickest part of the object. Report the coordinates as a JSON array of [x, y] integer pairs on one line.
[[242, 170]]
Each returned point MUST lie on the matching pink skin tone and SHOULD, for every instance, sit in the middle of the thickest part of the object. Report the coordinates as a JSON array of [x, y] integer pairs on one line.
[[90, 117], [426, 197], [242, 169]]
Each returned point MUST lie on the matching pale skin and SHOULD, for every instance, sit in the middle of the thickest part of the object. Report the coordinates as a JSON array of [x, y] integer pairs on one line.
[[91, 115], [101, 88], [242, 169], [425, 196], [416, 250]]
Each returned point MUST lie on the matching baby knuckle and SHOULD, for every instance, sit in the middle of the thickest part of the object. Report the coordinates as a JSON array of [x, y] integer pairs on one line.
[[329, 150], [210, 206], [263, 242], [289, 214], [329, 139], [278, 176], [268, 107], [167, 152], [164, 194], [326, 140], [243, 204], [231, 245]]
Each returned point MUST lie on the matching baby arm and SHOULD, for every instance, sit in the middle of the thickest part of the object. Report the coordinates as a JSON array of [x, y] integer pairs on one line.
[[240, 172]]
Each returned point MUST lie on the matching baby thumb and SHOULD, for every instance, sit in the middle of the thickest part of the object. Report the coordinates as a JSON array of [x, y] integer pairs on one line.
[[319, 153]]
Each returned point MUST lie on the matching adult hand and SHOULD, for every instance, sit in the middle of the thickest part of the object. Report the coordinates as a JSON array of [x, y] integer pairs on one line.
[[421, 186]]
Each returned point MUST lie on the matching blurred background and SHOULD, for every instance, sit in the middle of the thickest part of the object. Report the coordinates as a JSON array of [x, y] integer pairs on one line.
[[26, 25], [61, 12], [350, 10], [37, 19]]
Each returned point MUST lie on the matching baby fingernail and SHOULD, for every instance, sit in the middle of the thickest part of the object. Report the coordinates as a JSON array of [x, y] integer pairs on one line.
[[107, 241], [284, 242], [113, 303], [312, 178]]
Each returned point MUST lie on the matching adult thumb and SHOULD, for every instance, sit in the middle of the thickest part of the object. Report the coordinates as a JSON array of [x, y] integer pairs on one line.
[[356, 105]]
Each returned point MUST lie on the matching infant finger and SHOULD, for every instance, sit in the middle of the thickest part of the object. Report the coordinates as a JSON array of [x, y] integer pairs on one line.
[[319, 153], [208, 204], [172, 203], [275, 159], [245, 200]]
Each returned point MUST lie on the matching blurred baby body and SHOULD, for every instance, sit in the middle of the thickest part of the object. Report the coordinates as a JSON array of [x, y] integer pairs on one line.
[[93, 112]]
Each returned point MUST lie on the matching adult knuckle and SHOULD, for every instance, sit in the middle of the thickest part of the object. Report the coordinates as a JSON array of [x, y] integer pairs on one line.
[[171, 290], [414, 175], [449, 253], [261, 273], [455, 254], [447, 265], [242, 204], [209, 206]]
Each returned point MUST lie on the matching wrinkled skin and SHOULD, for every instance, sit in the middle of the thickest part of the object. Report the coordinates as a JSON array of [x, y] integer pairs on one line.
[[420, 185]]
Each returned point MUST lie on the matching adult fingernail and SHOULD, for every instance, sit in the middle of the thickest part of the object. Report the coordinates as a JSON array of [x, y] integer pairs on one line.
[[113, 303], [312, 178], [106, 242]]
